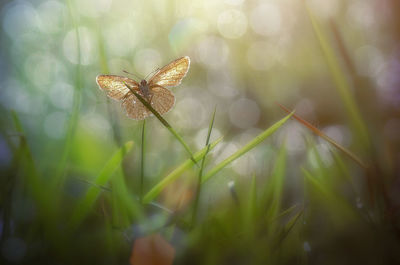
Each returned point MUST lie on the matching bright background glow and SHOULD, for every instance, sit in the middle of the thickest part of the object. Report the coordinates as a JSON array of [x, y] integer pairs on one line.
[[245, 55]]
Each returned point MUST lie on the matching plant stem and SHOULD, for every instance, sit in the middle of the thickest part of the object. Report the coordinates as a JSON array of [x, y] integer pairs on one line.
[[198, 187], [163, 121], [142, 160]]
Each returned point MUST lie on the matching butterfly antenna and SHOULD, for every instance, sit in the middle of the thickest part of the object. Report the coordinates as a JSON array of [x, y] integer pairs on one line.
[[126, 72], [152, 73]]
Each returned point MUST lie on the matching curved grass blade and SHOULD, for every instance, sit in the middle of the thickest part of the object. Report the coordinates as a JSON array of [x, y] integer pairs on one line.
[[125, 207], [33, 181], [250, 208], [273, 191], [287, 228], [253, 143], [325, 137], [163, 121], [85, 204], [198, 188], [342, 85], [153, 193], [339, 208]]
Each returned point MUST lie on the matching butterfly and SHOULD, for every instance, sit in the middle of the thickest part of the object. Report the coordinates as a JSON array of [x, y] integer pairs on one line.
[[154, 90]]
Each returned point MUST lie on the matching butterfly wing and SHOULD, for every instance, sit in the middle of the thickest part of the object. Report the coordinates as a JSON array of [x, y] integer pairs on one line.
[[114, 85], [162, 100], [172, 74], [134, 108]]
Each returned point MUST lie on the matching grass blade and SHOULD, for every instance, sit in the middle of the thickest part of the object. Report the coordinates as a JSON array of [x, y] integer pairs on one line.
[[250, 208], [142, 159], [340, 209], [198, 188], [287, 228], [273, 191], [256, 141], [164, 122], [32, 176], [153, 193], [325, 137], [77, 98], [342, 85], [85, 204], [126, 208]]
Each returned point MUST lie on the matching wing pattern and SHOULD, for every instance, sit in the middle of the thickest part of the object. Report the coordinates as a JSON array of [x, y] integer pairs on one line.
[[172, 74], [162, 99], [114, 85]]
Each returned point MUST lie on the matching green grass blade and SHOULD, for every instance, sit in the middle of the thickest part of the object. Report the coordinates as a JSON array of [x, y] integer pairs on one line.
[[164, 122], [250, 212], [273, 194], [142, 159], [287, 228], [36, 187], [316, 161], [325, 137], [286, 212], [153, 193], [86, 203], [198, 188], [58, 179], [17, 122], [339, 209], [253, 143], [252, 206], [126, 209], [342, 84]]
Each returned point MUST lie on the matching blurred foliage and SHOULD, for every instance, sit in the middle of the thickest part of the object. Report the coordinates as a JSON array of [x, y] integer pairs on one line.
[[74, 168]]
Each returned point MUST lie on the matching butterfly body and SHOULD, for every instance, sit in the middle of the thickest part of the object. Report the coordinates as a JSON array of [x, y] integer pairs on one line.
[[155, 90], [144, 88]]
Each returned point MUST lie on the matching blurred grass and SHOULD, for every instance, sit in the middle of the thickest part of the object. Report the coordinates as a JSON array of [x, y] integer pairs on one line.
[[200, 176], [164, 122], [86, 203], [33, 179], [59, 177], [295, 207], [155, 191], [253, 143], [343, 87]]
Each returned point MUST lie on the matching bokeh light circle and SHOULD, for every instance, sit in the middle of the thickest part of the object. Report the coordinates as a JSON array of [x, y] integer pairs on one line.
[[232, 24], [244, 113], [52, 15], [19, 17], [265, 19], [213, 52], [147, 61], [88, 48], [261, 55]]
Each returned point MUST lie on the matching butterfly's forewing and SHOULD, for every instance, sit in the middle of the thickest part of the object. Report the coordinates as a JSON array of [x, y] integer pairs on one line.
[[114, 85], [162, 100], [172, 74]]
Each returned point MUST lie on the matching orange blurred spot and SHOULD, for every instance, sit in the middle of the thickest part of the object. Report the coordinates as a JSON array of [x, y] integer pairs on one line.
[[177, 195], [152, 250]]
